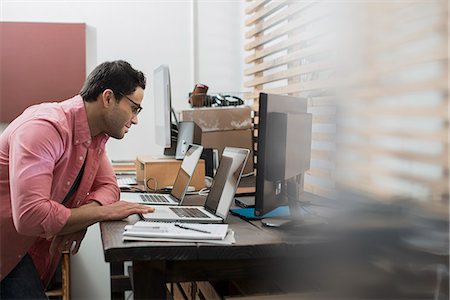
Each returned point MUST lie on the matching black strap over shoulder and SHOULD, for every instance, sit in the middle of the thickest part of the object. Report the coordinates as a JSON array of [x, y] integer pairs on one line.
[[75, 185]]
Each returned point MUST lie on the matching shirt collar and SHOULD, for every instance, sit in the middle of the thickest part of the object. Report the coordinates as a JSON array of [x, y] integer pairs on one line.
[[81, 132]]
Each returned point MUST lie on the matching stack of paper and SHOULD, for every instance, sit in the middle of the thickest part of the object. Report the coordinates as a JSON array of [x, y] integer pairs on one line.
[[180, 232]]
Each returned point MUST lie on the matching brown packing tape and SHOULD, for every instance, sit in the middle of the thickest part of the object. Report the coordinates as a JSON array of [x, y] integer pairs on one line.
[[219, 118]]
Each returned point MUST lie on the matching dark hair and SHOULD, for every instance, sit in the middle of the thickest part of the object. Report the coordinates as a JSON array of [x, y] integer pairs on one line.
[[117, 75]]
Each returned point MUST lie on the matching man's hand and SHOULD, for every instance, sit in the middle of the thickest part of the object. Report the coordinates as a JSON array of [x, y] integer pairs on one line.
[[70, 242], [122, 209], [86, 215]]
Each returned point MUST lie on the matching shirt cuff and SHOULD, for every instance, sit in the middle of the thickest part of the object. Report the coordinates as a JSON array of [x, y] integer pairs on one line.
[[56, 220]]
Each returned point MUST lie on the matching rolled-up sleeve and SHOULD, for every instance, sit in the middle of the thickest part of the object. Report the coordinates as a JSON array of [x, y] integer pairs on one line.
[[104, 189], [35, 147]]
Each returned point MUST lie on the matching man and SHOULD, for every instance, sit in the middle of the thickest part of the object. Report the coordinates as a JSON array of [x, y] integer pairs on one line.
[[56, 179]]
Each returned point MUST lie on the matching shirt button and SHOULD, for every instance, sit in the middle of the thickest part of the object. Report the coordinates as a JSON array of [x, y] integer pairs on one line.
[[68, 182], [88, 142], [77, 141], [81, 157]]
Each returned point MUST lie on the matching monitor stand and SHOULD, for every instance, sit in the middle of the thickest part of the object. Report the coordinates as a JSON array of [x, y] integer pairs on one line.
[[170, 152], [293, 223], [276, 222], [299, 216]]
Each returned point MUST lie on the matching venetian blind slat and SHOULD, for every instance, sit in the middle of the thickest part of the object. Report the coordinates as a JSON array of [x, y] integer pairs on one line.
[[378, 90], [422, 135], [297, 88], [264, 25], [290, 73], [285, 59], [266, 11], [370, 150], [284, 29], [283, 45], [255, 5]]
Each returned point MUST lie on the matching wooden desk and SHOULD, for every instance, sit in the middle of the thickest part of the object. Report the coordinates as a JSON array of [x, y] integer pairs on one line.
[[257, 253], [341, 260]]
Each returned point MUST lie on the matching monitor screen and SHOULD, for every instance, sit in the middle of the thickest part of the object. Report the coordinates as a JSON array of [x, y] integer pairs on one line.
[[164, 126], [226, 180], [284, 149], [186, 171]]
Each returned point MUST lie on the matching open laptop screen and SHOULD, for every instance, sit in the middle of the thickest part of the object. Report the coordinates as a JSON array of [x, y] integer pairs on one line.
[[186, 171], [226, 181]]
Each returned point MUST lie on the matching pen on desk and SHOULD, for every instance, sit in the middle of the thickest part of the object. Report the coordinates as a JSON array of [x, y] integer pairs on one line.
[[194, 229]]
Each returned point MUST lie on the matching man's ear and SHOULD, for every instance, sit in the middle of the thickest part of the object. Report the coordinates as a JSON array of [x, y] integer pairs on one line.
[[107, 98]]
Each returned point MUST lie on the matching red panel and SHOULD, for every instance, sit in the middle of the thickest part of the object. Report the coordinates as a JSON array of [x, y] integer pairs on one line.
[[39, 62]]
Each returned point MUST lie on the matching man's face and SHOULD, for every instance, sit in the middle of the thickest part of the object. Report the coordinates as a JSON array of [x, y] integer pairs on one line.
[[123, 114]]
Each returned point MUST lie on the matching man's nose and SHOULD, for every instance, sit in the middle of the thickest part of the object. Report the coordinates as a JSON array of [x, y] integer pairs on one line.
[[134, 120]]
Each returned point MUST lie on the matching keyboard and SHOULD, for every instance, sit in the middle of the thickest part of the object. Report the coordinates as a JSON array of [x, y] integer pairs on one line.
[[124, 181], [154, 198], [188, 212]]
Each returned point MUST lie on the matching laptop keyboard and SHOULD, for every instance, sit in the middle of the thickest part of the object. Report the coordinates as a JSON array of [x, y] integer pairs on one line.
[[126, 181], [154, 198], [188, 212]]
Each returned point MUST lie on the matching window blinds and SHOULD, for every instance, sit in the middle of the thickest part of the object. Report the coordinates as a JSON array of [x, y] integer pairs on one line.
[[393, 131], [376, 78], [289, 53]]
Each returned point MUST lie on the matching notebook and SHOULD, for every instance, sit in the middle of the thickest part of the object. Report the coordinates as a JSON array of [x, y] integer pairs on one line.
[[181, 231], [219, 199], [180, 185]]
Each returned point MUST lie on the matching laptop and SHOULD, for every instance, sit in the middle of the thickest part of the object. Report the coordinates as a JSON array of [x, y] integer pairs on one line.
[[219, 199], [180, 185]]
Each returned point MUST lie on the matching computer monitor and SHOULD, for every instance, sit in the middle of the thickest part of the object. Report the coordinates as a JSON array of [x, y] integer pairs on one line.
[[284, 152], [166, 127], [174, 136]]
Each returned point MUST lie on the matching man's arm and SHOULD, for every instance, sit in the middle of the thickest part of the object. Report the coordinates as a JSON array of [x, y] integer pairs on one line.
[[103, 202], [70, 237], [86, 215], [34, 148], [104, 189], [32, 161]]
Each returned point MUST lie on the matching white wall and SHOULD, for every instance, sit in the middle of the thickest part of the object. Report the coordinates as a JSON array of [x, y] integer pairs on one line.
[[201, 41]]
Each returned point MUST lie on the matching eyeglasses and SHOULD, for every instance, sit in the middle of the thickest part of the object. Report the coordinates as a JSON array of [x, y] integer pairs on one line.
[[137, 108]]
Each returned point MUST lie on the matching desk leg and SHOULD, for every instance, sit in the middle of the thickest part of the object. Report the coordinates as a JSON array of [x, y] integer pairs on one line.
[[116, 270], [149, 280]]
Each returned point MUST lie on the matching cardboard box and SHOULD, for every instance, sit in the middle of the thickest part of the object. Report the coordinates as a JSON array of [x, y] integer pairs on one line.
[[224, 126], [232, 138], [220, 118], [162, 172]]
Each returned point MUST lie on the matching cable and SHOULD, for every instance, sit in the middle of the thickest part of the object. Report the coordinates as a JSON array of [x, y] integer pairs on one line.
[[155, 189], [201, 192], [131, 188], [208, 181], [204, 192], [248, 174]]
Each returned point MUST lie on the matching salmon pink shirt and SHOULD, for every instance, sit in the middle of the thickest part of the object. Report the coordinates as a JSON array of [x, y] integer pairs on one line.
[[41, 153]]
